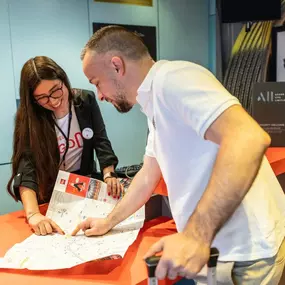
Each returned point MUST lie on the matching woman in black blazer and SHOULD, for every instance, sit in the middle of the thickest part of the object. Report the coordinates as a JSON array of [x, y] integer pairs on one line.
[[56, 128]]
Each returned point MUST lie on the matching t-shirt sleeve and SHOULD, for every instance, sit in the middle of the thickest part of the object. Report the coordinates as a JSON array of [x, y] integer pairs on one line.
[[195, 96], [149, 150]]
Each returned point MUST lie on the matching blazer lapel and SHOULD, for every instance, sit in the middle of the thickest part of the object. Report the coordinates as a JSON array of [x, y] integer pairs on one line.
[[83, 113]]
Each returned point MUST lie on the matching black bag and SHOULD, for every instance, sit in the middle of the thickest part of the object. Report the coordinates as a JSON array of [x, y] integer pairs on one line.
[[128, 171]]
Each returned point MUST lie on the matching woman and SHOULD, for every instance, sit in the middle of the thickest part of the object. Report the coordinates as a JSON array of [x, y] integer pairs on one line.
[[56, 128]]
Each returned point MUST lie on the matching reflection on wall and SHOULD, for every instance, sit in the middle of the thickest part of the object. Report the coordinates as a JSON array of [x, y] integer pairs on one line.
[[246, 56], [249, 62]]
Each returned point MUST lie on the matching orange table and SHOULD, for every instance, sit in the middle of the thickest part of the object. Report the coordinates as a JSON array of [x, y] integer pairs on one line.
[[276, 158], [129, 270]]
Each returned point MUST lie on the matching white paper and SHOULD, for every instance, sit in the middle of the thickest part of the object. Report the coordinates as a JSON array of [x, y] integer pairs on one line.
[[67, 210]]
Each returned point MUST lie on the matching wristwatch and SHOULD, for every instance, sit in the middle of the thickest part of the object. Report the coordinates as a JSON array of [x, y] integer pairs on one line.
[[109, 175]]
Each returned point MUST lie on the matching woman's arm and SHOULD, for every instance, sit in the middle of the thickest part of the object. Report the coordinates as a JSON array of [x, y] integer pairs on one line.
[[38, 222], [108, 169], [26, 189], [29, 200], [114, 187]]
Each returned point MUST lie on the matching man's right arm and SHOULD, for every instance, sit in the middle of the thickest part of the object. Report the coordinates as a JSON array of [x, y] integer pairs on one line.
[[139, 192]]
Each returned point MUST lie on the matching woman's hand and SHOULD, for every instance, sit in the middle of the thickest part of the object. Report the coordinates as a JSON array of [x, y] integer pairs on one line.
[[42, 225], [114, 187]]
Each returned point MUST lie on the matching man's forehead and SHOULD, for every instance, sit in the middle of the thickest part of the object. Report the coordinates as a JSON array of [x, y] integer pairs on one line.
[[93, 62]]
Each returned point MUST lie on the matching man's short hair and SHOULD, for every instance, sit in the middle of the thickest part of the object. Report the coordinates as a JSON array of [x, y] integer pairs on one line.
[[119, 39]]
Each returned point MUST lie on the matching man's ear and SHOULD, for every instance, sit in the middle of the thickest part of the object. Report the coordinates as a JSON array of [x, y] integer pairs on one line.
[[118, 65]]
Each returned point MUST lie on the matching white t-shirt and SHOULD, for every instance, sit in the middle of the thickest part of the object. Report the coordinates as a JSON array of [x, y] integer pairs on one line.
[[181, 100], [74, 153]]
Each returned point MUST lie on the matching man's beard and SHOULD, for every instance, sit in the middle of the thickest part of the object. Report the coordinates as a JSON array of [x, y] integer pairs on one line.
[[121, 103], [123, 106]]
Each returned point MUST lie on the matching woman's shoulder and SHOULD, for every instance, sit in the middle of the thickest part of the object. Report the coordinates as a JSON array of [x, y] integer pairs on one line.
[[83, 96]]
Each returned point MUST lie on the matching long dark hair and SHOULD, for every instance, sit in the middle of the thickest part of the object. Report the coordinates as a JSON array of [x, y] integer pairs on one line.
[[34, 134]]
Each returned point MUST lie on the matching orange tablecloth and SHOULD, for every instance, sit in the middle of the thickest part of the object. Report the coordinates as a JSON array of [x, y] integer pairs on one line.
[[161, 188], [129, 270]]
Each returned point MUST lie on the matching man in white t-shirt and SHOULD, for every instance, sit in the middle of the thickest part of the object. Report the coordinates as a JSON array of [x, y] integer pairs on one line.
[[222, 190]]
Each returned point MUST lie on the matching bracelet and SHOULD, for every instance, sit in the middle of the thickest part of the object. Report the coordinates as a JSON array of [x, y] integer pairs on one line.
[[32, 215], [105, 180], [110, 175]]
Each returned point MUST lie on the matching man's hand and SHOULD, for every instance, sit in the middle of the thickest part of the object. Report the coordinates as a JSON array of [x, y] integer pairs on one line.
[[93, 227], [138, 193], [181, 256], [42, 225]]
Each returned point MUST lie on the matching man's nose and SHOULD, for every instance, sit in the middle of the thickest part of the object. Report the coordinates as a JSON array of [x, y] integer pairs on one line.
[[100, 95]]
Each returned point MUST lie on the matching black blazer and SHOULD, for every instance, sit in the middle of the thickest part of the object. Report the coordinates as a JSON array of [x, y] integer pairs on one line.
[[89, 116]]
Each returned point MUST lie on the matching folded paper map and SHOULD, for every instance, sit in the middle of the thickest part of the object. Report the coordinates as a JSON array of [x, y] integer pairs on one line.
[[74, 199]]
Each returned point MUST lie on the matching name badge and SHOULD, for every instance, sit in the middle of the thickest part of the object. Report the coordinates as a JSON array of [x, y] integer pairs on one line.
[[87, 133]]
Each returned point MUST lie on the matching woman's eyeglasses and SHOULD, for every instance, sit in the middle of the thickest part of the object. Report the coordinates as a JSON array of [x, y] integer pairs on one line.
[[56, 94]]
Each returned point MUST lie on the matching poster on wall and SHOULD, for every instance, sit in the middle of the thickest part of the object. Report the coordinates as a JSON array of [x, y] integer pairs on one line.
[[268, 103], [133, 2], [147, 34], [278, 54]]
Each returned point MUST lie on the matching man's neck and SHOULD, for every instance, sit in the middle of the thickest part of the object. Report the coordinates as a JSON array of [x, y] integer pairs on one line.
[[140, 71]]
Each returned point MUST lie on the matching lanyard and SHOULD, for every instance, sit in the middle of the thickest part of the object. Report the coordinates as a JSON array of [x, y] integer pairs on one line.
[[65, 137]]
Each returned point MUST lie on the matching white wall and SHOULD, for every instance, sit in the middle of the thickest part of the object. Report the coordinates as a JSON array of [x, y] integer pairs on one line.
[[7, 94], [54, 28], [7, 203], [7, 108], [183, 30]]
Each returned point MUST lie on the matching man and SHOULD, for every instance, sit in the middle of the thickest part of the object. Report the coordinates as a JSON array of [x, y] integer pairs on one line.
[[222, 191]]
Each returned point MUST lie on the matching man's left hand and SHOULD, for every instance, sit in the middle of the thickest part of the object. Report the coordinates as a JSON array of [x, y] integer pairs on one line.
[[182, 256]]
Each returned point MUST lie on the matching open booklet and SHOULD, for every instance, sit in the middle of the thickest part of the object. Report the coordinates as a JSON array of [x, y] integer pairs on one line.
[[74, 199]]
